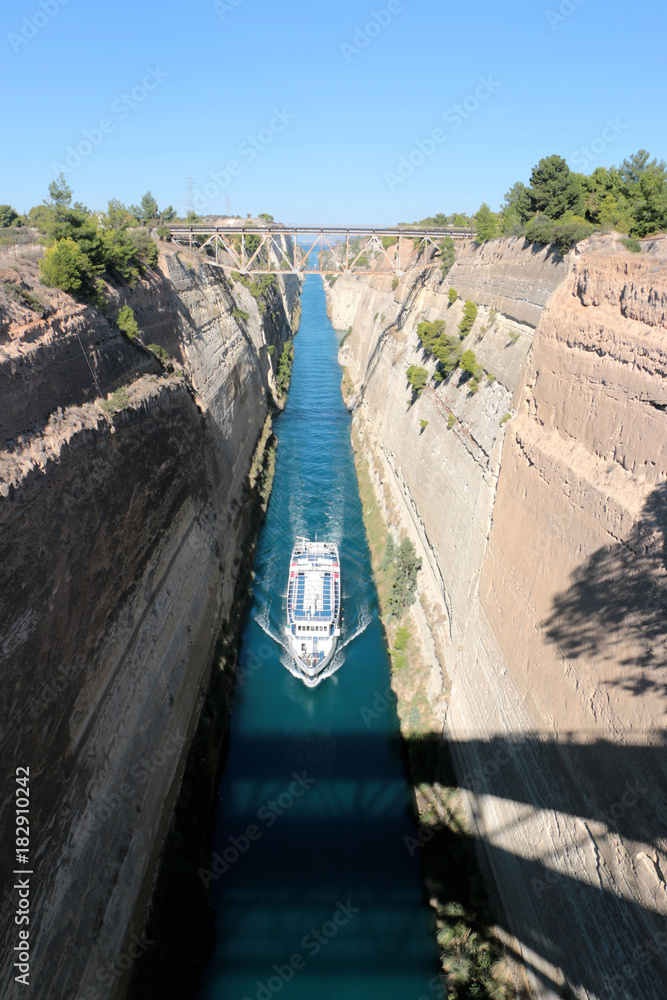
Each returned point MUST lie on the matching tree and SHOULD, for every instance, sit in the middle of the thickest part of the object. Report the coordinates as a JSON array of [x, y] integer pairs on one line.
[[469, 317], [127, 323], [8, 217], [149, 209], [118, 216], [168, 214], [515, 210], [469, 363], [65, 266], [447, 255], [404, 585], [417, 378], [645, 185], [267, 218], [554, 189], [60, 192], [452, 295], [192, 218], [486, 226]]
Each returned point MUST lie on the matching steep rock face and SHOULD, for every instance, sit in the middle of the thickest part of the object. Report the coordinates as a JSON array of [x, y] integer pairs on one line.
[[121, 529], [545, 585]]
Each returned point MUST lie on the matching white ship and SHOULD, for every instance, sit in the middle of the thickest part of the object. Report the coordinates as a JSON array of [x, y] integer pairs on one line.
[[313, 606]]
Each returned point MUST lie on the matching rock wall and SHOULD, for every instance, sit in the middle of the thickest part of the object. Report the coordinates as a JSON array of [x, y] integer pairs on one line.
[[122, 523], [540, 516]]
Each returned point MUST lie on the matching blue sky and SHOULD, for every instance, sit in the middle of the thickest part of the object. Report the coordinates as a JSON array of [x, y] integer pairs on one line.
[[316, 106]]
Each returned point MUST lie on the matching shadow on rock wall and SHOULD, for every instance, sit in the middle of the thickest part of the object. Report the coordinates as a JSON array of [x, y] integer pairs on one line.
[[616, 606]]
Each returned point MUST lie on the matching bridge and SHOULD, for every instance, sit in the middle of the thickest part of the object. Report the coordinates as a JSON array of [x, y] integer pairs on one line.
[[270, 249]]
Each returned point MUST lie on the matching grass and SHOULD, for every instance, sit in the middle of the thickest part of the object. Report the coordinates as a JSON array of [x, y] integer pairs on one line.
[[24, 297]]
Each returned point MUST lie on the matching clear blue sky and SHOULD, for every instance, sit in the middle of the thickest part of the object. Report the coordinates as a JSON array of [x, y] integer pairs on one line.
[[221, 71]]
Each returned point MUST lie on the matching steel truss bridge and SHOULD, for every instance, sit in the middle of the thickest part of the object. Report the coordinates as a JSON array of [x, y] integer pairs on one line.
[[252, 249]]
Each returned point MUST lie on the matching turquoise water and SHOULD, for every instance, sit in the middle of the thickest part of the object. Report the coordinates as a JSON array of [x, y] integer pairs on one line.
[[317, 893]]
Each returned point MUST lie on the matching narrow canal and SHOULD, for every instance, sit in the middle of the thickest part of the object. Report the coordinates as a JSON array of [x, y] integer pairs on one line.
[[317, 894]]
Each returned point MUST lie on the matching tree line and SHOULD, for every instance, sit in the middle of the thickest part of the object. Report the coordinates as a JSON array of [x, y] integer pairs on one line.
[[561, 206]]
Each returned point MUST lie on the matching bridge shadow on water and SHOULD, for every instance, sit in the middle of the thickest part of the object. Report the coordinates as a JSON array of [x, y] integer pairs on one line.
[[335, 840]]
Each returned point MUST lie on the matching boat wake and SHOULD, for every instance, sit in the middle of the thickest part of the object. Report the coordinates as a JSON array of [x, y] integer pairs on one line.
[[365, 619]]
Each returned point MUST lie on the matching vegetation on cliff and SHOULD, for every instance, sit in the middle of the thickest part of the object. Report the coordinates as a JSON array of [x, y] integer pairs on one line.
[[285, 368], [471, 958], [559, 206]]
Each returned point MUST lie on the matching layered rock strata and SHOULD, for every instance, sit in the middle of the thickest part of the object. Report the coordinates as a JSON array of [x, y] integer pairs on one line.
[[124, 512], [538, 507]]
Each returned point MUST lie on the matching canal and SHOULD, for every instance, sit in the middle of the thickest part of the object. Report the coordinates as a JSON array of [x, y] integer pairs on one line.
[[317, 892]]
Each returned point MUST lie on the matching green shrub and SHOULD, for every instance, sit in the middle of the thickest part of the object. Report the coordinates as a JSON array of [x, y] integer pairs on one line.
[[508, 416], [447, 256], [65, 266], [417, 378], [429, 333], [423, 424], [160, 353], [164, 233], [404, 584], [451, 420], [469, 364], [394, 284], [285, 368], [240, 314], [271, 349], [631, 244], [127, 323], [119, 400], [490, 377], [514, 335], [145, 249], [562, 234], [468, 320], [473, 385], [25, 297], [452, 295], [389, 553]]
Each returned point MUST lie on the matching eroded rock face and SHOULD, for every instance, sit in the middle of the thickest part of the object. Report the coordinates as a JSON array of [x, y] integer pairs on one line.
[[545, 559], [121, 530]]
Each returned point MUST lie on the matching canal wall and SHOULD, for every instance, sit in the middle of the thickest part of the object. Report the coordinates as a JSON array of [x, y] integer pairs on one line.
[[537, 505], [126, 507]]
